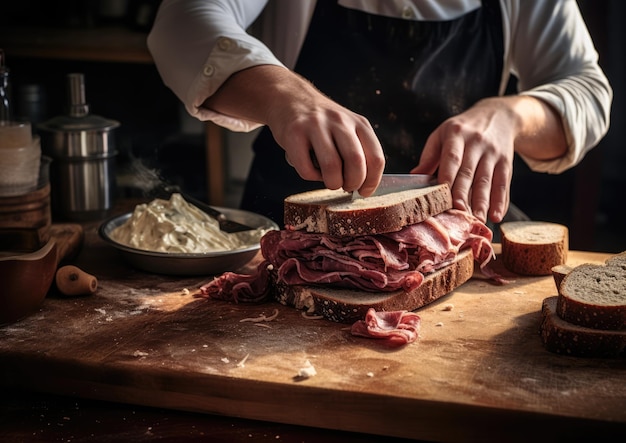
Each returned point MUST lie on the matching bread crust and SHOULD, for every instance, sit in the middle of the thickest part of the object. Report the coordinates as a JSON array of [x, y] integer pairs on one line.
[[562, 337], [533, 247], [337, 214], [558, 274], [349, 305]]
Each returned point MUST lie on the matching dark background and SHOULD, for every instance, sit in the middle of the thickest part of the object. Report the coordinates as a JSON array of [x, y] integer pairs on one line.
[[590, 198]]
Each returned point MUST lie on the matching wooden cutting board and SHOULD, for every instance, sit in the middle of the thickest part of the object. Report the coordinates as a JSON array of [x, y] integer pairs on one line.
[[478, 371]]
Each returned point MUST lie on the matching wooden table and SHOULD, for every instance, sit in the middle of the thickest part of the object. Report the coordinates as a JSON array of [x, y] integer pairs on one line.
[[478, 372]]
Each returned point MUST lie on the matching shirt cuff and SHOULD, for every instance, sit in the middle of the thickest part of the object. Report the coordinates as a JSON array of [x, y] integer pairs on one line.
[[228, 56]]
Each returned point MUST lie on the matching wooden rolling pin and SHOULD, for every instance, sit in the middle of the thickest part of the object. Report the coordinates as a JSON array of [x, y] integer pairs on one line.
[[72, 281]]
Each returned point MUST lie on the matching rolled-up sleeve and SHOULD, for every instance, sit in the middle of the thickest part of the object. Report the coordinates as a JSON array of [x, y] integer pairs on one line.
[[197, 45], [555, 60]]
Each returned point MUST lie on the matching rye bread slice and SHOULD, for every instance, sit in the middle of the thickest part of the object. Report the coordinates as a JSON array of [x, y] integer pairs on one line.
[[560, 271], [349, 305], [562, 337], [334, 212], [594, 296], [533, 247]]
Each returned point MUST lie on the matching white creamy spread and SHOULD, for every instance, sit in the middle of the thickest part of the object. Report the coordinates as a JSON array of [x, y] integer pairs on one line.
[[176, 226]]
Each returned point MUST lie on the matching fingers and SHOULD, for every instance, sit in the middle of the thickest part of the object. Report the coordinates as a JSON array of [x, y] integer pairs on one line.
[[298, 155], [481, 187], [328, 159], [456, 167], [342, 151], [431, 155], [374, 160], [500, 191], [480, 184], [490, 186], [476, 165]]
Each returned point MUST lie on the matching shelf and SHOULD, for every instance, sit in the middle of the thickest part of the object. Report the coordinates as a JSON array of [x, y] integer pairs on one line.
[[101, 44], [105, 44]]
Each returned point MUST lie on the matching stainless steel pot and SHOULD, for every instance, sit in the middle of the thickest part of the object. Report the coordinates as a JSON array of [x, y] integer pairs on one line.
[[82, 146]]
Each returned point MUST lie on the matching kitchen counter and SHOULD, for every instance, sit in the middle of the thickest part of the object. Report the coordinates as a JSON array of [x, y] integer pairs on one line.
[[152, 361]]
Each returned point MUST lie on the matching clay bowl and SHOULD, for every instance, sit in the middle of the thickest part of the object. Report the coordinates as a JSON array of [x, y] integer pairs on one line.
[[26, 279]]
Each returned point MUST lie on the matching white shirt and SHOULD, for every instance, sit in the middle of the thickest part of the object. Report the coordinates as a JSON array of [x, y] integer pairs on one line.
[[198, 44]]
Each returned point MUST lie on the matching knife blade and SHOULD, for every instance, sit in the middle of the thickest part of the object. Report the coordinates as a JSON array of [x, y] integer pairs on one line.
[[390, 183]]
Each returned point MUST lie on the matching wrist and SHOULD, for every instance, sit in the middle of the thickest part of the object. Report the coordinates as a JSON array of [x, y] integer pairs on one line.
[[536, 126]]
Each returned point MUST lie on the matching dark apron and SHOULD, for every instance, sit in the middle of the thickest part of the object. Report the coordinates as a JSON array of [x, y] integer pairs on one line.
[[406, 77]]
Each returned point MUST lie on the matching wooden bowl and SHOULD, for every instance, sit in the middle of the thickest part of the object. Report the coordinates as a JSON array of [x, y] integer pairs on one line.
[[26, 279]]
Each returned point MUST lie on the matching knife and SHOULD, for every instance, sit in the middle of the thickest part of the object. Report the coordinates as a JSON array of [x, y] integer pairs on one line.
[[390, 183]]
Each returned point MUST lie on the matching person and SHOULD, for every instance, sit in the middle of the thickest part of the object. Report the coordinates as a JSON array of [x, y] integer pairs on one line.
[[346, 90]]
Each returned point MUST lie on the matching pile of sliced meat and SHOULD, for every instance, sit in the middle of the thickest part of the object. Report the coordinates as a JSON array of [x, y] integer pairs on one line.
[[383, 262], [380, 263]]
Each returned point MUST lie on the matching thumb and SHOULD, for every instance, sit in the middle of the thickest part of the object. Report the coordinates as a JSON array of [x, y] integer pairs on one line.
[[428, 163], [423, 168], [430, 158]]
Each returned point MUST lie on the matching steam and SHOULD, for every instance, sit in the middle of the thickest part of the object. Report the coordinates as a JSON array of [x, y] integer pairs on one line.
[[145, 179]]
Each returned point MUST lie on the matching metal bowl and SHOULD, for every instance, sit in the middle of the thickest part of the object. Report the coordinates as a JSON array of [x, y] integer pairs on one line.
[[209, 263]]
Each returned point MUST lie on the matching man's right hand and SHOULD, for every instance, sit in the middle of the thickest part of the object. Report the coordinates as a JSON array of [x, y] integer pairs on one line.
[[322, 140]]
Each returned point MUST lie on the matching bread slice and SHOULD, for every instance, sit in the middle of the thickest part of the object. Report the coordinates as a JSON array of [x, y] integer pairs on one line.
[[562, 337], [348, 305], [594, 296], [560, 271], [335, 212], [533, 247]]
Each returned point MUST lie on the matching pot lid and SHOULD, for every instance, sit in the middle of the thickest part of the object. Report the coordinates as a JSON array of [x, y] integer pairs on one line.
[[78, 117], [91, 122]]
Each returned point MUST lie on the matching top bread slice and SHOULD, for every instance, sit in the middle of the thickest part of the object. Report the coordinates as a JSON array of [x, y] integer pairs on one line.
[[336, 213], [594, 296], [533, 247]]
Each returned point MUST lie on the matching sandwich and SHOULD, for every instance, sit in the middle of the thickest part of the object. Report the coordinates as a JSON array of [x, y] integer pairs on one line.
[[340, 258]]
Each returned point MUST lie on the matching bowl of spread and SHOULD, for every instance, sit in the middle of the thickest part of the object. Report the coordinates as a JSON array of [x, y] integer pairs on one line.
[[174, 237]]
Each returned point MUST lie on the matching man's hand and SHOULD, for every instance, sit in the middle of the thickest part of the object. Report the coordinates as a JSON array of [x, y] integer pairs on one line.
[[322, 140], [474, 150], [325, 141]]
